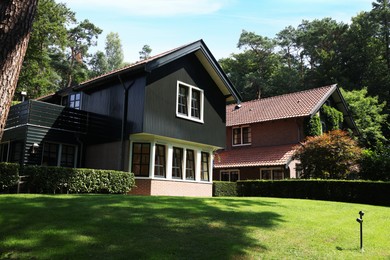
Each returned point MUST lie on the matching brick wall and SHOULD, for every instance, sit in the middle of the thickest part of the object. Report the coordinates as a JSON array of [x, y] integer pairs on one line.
[[172, 188], [277, 132]]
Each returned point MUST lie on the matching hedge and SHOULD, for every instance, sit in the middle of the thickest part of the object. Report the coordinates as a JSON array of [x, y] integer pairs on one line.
[[76, 180], [9, 175], [367, 192], [224, 188]]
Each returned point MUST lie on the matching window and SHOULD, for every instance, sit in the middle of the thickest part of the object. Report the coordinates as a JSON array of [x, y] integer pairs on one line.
[[4, 150], [68, 155], [159, 161], [230, 175], [75, 101], [190, 165], [141, 158], [59, 155], [189, 102], [204, 174], [272, 174], [177, 163], [50, 154], [242, 135]]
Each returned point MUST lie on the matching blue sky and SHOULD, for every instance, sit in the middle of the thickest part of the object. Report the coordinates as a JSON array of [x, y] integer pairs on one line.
[[167, 24]]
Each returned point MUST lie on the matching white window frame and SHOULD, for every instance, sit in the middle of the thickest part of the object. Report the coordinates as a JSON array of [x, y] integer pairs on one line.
[[188, 116], [241, 135], [75, 99]]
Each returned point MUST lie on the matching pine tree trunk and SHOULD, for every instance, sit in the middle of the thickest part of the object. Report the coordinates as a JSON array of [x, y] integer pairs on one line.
[[16, 18]]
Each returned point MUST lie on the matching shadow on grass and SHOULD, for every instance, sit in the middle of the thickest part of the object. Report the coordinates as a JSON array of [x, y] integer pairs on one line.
[[101, 227]]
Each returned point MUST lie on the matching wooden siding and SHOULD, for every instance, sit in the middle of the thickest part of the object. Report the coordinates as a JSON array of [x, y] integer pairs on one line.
[[160, 107], [39, 122]]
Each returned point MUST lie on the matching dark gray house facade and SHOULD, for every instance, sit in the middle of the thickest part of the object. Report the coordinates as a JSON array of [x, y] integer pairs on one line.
[[160, 118]]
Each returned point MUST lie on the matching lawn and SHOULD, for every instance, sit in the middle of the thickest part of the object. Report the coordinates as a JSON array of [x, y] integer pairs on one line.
[[132, 227]]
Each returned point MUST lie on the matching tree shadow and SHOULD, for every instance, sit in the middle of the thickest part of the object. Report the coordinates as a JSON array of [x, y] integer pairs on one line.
[[101, 227]]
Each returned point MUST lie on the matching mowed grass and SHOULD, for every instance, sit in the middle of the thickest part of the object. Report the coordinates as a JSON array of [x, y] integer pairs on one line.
[[132, 227]]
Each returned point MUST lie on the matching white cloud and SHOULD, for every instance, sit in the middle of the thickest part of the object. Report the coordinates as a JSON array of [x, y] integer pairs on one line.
[[151, 7]]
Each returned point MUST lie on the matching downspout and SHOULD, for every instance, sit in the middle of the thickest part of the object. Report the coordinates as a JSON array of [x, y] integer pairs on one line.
[[124, 121]]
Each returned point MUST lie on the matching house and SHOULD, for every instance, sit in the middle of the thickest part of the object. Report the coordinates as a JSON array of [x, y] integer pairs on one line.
[[161, 118], [261, 134]]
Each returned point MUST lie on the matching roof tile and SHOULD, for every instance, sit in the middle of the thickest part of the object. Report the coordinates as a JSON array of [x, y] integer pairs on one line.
[[291, 105], [255, 156]]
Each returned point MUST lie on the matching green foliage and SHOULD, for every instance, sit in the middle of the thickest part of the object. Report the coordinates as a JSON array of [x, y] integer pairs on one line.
[[333, 155], [375, 164], [9, 175], [114, 51], [312, 126], [224, 188], [369, 116], [145, 52], [368, 192], [75, 180], [332, 117]]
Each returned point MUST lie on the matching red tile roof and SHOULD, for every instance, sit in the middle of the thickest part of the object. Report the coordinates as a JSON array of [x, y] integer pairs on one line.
[[254, 156], [291, 105]]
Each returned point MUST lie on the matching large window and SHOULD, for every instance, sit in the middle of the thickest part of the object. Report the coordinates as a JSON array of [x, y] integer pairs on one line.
[[159, 161], [75, 101], [141, 158], [189, 102], [205, 170], [190, 165], [230, 175], [177, 163], [242, 135], [59, 155]]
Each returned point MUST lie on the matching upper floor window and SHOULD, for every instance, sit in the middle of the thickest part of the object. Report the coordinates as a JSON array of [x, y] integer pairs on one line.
[[75, 100], [242, 135], [189, 102]]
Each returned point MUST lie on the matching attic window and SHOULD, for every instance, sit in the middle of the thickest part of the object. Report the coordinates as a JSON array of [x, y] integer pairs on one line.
[[189, 102], [75, 100]]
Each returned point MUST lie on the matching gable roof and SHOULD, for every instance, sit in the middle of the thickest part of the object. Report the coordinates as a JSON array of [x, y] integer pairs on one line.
[[255, 156], [200, 50], [299, 104]]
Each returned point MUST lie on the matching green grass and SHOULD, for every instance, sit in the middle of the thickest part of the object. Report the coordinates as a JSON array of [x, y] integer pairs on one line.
[[131, 227]]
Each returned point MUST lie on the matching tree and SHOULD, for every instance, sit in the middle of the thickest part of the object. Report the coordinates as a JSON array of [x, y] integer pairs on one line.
[[114, 52], [16, 19], [49, 34], [375, 164], [333, 155], [368, 114], [98, 64], [80, 38], [145, 52]]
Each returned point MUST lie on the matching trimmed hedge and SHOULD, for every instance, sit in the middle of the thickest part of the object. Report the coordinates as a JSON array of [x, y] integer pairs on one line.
[[367, 192], [9, 175], [74, 180], [224, 188]]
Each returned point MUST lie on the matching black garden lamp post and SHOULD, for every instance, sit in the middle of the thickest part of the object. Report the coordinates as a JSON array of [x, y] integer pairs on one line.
[[360, 220]]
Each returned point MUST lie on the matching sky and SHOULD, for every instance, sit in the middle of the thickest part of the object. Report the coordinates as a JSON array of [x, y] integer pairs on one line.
[[167, 24]]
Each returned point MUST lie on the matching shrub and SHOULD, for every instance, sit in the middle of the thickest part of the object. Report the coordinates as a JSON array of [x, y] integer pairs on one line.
[[369, 192], [224, 188], [74, 180], [9, 175]]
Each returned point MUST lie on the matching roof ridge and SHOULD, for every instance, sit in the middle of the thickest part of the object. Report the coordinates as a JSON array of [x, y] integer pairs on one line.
[[284, 95]]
